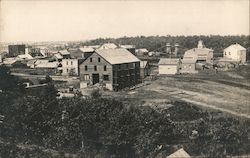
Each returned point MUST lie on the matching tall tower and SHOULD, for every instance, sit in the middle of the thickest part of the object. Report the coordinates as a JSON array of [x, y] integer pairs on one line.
[[200, 44], [168, 48], [176, 49]]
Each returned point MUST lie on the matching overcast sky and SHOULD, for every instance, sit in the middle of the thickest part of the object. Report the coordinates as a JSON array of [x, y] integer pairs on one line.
[[61, 20]]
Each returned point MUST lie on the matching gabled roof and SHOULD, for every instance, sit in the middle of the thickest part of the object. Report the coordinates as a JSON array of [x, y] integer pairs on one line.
[[181, 153], [87, 49], [236, 46], [64, 52], [108, 46], [197, 52], [169, 61], [189, 61], [46, 64], [117, 56], [25, 56]]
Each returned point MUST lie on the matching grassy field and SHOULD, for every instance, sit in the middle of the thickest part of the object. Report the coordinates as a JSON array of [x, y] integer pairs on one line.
[[227, 91]]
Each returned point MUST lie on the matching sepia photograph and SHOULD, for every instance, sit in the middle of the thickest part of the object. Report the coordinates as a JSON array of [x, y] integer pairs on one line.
[[125, 79]]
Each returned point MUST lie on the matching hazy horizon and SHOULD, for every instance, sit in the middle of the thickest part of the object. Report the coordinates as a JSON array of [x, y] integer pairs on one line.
[[43, 21]]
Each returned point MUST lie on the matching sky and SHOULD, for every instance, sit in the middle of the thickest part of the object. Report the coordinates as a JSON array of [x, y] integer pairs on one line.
[[65, 20]]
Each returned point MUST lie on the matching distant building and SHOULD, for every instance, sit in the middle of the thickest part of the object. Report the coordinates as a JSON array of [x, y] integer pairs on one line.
[[65, 54], [69, 67], [108, 46], [181, 153], [130, 48], [144, 69], [200, 54], [15, 50], [115, 69], [169, 66], [141, 52], [235, 52], [85, 52], [35, 52], [188, 66]]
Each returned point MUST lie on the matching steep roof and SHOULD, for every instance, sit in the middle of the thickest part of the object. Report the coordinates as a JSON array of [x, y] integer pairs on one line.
[[181, 153], [236, 46], [169, 61], [108, 46], [46, 64], [117, 56], [64, 52]]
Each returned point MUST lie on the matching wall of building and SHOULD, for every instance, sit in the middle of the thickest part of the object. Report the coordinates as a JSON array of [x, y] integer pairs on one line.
[[188, 68], [70, 67], [15, 50], [234, 54], [168, 69], [86, 76]]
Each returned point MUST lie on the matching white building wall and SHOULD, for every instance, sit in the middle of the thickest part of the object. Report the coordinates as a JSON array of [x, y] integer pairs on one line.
[[168, 69], [69, 65], [235, 54]]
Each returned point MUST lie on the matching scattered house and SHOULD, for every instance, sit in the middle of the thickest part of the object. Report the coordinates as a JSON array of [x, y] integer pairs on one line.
[[235, 52], [181, 153], [169, 66], [46, 67], [130, 48], [85, 52], [108, 46], [115, 69], [68, 67], [9, 61], [188, 66], [44, 51], [25, 56], [141, 52], [15, 50], [35, 52], [65, 54], [31, 63], [144, 69], [58, 56], [200, 54]]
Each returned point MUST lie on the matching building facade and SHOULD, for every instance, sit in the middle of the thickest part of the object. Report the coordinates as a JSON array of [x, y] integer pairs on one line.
[[114, 69], [15, 50], [188, 66], [235, 52], [169, 66], [69, 67]]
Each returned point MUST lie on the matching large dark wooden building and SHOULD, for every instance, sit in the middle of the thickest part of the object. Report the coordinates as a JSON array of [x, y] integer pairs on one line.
[[114, 69], [15, 50]]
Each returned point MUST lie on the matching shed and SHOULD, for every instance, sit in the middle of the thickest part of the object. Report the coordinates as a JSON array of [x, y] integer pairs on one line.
[[144, 69], [169, 66], [188, 66]]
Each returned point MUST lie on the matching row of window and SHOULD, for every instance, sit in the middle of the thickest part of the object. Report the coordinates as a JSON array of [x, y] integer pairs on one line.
[[229, 53], [91, 59], [95, 68], [87, 78], [67, 62]]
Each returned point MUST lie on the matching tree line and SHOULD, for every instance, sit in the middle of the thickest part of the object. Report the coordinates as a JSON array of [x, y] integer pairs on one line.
[[98, 127]]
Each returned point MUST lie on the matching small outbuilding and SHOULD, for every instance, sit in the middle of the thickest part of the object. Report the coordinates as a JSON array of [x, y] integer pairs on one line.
[[188, 66], [235, 52], [144, 71], [169, 66]]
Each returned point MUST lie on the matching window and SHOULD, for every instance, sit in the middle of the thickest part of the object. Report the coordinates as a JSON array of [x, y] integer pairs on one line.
[[86, 77], [95, 68], [229, 53], [106, 77], [86, 68], [90, 59], [225, 53], [67, 63], [71, 62], [99, 60], [105, 68], [67, 70]]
